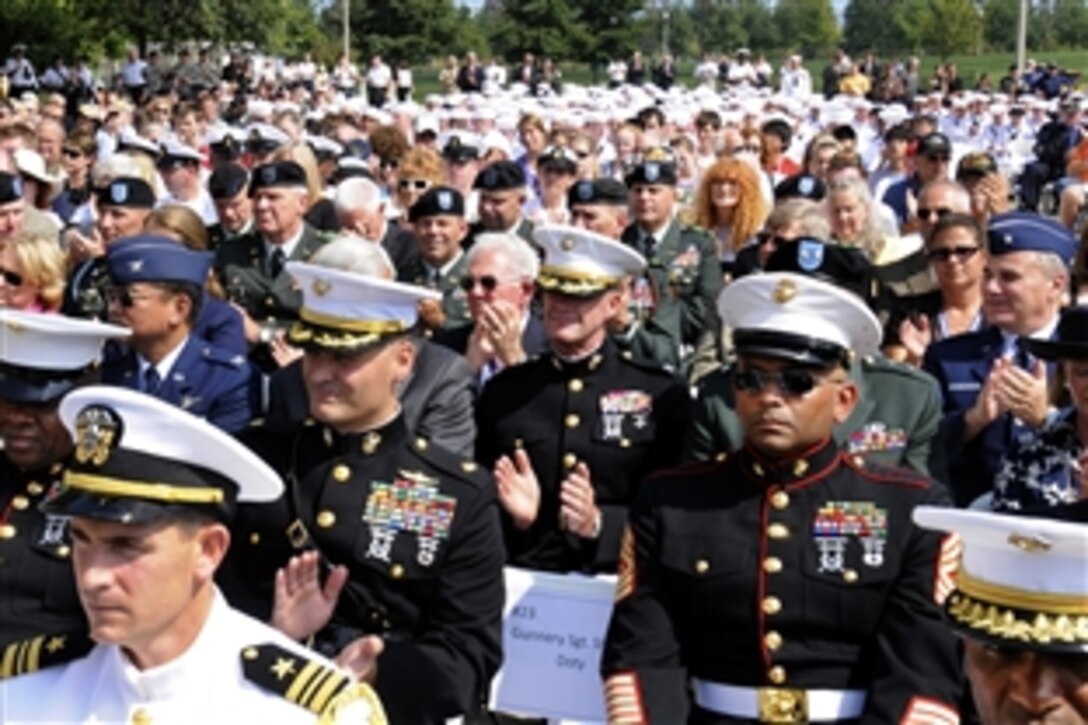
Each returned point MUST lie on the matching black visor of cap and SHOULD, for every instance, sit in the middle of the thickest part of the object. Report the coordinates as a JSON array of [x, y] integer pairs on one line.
[[791, 347]]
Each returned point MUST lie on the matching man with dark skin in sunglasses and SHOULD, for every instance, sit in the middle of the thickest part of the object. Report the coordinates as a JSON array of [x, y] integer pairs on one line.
[[899, 413], [785, 582], [42, 358]]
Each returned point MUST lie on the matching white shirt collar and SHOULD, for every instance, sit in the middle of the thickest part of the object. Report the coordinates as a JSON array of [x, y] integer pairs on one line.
[[288, 247], [1008, 339], [445, 268], [163, 366]]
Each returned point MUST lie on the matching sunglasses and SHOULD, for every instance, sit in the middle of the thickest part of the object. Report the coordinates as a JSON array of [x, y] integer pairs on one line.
[[946, 253], [11, 279], [72, 153], [389, 164], [794, 382], [939, 212], [486, 281], [750, 149], [417, 184], [124, 297], [939, 158], [583, 154], [770, 238]]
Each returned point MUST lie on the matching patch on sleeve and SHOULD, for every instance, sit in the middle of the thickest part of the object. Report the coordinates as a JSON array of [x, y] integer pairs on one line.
[[948, 563], [626, 568], [623, 699], [926, 711]]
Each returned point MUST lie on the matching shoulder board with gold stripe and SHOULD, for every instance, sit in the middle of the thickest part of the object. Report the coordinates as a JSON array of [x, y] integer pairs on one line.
[[42, 652], [321, 689]]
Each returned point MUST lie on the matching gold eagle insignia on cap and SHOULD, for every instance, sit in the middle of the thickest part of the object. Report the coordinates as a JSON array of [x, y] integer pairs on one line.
[[567, 244], [785, 291], [321, 287], [97, 430], [1029, 544]]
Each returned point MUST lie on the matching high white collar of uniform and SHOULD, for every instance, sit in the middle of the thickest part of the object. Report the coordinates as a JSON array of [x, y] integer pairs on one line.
[[175, 678], [162, 366]]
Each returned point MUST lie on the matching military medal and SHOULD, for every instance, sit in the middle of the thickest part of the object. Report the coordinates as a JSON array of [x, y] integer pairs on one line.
[[837, 521], [411, 504], [616, 405]]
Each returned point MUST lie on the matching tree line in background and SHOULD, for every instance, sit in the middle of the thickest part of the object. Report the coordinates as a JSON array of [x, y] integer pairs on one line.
[[591, 31]]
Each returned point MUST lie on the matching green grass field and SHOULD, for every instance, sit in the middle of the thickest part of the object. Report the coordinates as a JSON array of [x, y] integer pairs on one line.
[[970, 66]]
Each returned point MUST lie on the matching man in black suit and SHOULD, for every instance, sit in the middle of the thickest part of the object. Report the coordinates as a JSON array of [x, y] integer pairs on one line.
[[360, 210], [436, 398], [499, 281]]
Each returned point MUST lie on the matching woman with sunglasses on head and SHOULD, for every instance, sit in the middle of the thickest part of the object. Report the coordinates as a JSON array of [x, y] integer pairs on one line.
[[32, 273], [420, 169], [957, 256]]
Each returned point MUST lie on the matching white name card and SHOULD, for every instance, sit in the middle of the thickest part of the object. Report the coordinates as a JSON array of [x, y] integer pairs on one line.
[[553, 634]]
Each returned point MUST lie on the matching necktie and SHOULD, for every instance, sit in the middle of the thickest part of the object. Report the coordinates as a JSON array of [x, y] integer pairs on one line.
[[152, 381], [647, 245], [278, 259]]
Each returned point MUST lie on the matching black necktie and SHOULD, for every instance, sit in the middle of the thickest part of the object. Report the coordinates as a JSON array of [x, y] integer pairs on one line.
[[277, 262], [152, 381]]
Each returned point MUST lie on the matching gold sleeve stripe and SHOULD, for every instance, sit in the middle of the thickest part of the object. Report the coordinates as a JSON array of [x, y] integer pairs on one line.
[[331, 686], [33, 655], [316, 685], [8, 668], [623, 701], [625, 584], [294, 692], [948, 563]]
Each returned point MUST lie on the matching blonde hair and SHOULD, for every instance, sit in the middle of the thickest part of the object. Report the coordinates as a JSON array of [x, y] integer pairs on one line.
[[751, 210], [303, 155], [43, 264], [185, 225]]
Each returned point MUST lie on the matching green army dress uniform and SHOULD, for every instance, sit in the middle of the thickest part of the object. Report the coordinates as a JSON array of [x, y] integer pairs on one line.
[[454, 299]]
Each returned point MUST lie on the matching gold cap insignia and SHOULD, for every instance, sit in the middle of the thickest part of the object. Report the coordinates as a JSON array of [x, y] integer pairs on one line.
[[567, 244], [321, 287], [784, 292], [97, 430], [1030, 544]]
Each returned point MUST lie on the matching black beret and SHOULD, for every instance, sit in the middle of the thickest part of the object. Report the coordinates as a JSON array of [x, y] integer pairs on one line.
[[800, 186], [128, 192], [558, 158], [11, 187], [277, 173], [227, 181], [439, 201], [228, 148], [598, 191], [500, 175], [657, 166], [844, 267]]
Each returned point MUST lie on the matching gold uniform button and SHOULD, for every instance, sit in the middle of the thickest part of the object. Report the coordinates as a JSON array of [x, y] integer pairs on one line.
[[63, 551], [772, 565], [800, 468], [702, 566], [758, 470], [771, 605], [250, 653], [326, 519], [773, 641], [780, 500], [20, 503], [421, 444], [778, 531], [341, 473], [849, 576], [625, 442], [570, 460], [575, 385], [7, 531], [34, 488], [141, 717], [396, 571], [572, 421], [777, 675], [254, 538]]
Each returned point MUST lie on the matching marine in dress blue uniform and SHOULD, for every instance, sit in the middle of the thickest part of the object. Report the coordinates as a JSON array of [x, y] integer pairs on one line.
[[42, 357], [961, 364], [210, 382], [786, 583]]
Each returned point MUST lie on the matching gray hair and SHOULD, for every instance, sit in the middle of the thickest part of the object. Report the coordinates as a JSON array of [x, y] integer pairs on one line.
[[959, 199], [806, 214], [1051, 266], [357, 194], [350, 253], [522, 260], [872, 235]]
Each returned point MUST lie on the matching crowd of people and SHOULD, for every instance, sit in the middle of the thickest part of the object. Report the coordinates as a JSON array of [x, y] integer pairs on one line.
[[292, 365]]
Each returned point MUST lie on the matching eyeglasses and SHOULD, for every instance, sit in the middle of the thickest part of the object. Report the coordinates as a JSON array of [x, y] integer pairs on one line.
[[944, 254], [11, 279], [72, 153], [939, 158], [486, 281], [927, 213], [794, 382], [389, 163], [417, 184], [583, 154], [124, 297], [749, 148]]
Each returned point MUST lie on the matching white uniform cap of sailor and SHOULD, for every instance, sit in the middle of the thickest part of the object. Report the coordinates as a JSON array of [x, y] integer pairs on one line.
[[336, 299], [267, 132], [163, 430], [796, 304], [578, 261], [130, 138], [53, 342], [177, 150]]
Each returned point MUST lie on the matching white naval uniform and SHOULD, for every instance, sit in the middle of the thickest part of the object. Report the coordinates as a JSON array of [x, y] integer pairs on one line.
[[205, 685]]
